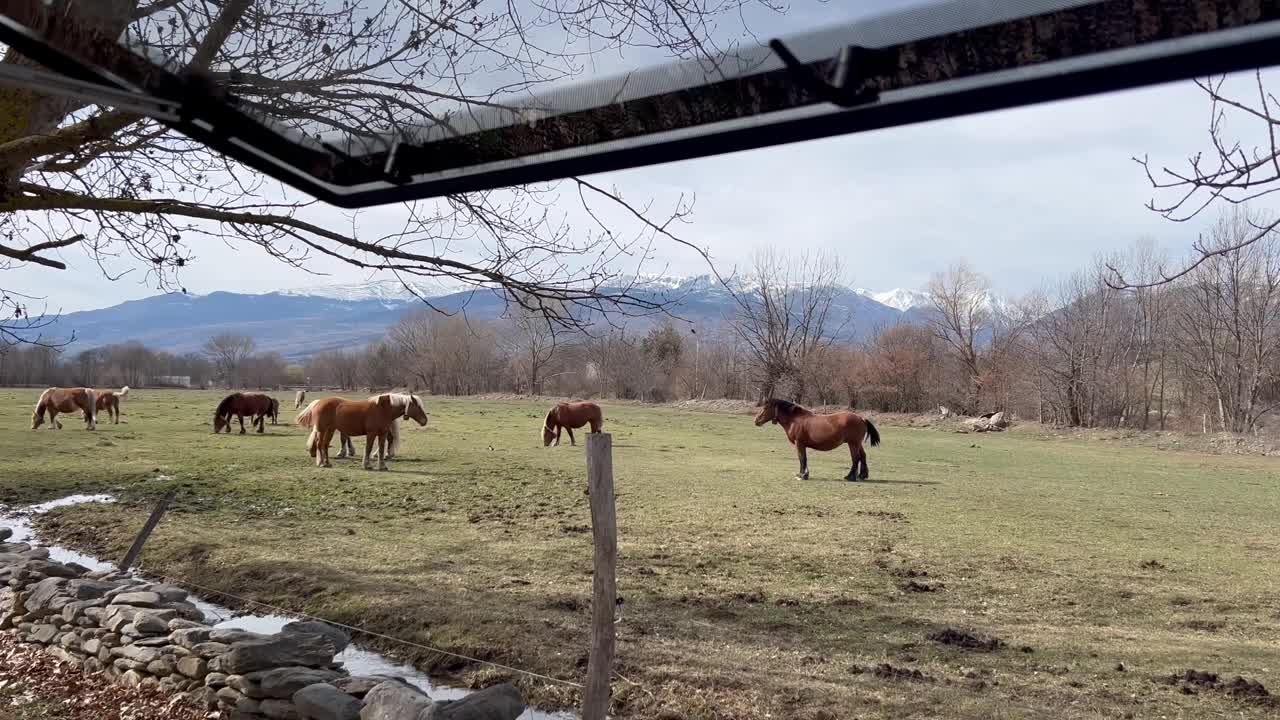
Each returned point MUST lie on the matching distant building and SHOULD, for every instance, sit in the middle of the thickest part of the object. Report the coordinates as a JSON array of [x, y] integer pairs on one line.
[[172, 380]]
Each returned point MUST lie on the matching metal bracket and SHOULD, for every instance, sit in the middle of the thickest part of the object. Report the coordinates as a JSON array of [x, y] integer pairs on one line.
[[853, 67]]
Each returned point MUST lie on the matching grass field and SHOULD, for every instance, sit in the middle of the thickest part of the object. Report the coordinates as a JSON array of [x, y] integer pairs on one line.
[[748, 594]]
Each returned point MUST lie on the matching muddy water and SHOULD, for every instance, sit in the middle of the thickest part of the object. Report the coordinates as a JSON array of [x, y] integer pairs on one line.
[[354, 659]]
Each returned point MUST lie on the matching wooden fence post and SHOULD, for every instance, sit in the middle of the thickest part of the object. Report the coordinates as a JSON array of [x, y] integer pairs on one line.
[[604, 532], [136, 548]]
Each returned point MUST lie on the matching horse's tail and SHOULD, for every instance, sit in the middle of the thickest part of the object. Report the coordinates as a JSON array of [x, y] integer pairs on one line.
[[306, 418], [124, 392], [873, 434], [92, 396], [394, 439]]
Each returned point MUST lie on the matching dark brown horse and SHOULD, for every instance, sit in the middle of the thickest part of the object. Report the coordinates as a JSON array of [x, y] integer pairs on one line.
[[807, 430], [256, 406], [371, 418], [275, 411], [570, 416], [66, 400], [109, 400]]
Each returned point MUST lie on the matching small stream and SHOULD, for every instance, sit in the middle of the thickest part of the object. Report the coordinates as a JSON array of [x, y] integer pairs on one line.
[[354, 659]]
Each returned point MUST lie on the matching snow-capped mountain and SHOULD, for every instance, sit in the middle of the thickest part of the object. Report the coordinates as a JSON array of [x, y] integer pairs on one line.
[[303, 321]]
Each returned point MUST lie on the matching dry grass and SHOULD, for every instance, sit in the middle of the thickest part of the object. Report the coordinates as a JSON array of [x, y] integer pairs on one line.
[[747, 594]]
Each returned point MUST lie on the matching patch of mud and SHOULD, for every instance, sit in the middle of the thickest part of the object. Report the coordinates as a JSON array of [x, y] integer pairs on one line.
[[1152, 565], [1192, 682], [909, 573], [966, 641], [885, 671], [1199, 625], [914, 586], [887, 515], [574, 529]]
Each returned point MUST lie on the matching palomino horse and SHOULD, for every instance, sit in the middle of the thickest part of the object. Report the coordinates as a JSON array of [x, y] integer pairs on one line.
[[371, 418], [109, 400], [398, 400], [807, 430], [300, 398], [66, 400], [570, 416], [255, 405]]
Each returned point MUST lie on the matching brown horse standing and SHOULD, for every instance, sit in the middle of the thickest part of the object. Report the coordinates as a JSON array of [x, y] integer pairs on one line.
[[109, 400], [66, 400], [255, 405], [570, 416], [807, 430], [274, 413], [371, 418]]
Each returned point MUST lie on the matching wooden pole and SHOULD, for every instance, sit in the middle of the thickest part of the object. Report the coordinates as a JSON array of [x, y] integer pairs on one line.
[[136, 548], [604, 532]]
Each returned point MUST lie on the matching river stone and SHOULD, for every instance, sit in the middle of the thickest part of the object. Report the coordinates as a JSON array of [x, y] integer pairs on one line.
[[74, 610], [193, 666], [336, 635], [85, 589], [247, 705], [209, 650], [42, 594], [394, 700], [205, 697], [63, 655], [70, 641], [147, 624], [190, 637], [279, 709], [245, 686], [161, 641], [49, 568], [234, 635], [127, 664], [91, 646], [131, 678], [326, 702], [44, 633], [215, 680], [181, 624], [166, 593], [92, 665], [104, 654], [160, 667], [228, 696], [138, 599], [284, 682], [358, 686], [5, 533], [497, 702], [276, 651], [133, 652], [184, 610]]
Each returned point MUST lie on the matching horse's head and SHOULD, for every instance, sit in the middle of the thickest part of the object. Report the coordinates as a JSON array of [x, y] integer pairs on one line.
[[548, 434], [220, 422], [37, 418], [414, 411], [768, 412]]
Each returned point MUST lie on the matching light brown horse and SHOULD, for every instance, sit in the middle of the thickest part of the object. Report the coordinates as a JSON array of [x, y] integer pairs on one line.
[[66, 400], [109, 400], [255, 405], [370, 418], [807, 430], [300, 398], [570, 416], [398, 400]]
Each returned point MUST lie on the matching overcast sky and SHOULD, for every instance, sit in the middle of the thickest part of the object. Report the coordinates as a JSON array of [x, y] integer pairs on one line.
[[1023, 195]]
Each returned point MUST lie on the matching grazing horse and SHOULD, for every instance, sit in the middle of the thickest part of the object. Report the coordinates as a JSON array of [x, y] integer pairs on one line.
[[274, 412], [371, 418], [300, 398], [807, 430], [66, 400], [109, 400], [398, 400], [256, 405], [570, 416]]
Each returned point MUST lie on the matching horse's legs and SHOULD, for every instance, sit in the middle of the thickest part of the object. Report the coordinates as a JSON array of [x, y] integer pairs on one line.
[[855, 452], [368, 450], [242, 422], [570, 431], [382, 450], [343, 441], [262, 424], [557, 442], [804, 462], [862, 455], [323, 455], [53, 421]]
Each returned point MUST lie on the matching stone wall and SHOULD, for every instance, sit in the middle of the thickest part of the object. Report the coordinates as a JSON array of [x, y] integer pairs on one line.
[[145, 634]]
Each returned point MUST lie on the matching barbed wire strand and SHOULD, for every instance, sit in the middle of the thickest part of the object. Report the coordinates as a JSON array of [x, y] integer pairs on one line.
[[352, 628]]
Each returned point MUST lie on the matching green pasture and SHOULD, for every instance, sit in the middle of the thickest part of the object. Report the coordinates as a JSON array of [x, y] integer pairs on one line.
[[1104, 570]]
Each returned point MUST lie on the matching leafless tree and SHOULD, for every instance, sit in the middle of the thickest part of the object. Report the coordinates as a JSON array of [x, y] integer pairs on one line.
[[446, 354], [228, 352], [132, 194], [962, 317], [1232, 172], [529, 340], [787, 316], [1228, 320]]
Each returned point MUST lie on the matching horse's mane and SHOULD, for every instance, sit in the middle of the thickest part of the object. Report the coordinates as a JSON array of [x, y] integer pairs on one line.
[[786, 407], [546, 423], [224, 407]]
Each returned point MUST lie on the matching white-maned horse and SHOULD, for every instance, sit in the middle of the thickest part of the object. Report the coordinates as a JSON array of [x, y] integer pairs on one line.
[[400, 402]]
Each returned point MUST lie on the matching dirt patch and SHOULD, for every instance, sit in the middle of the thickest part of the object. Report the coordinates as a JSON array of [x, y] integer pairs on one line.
[[965, 640], [914, 586], [885, 671], [1152, 565], [887, 515], [909, 573], [1204, 625], [1191, 682]]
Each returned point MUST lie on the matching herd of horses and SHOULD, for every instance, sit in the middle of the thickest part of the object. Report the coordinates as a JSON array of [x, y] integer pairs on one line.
[[377, 420]]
